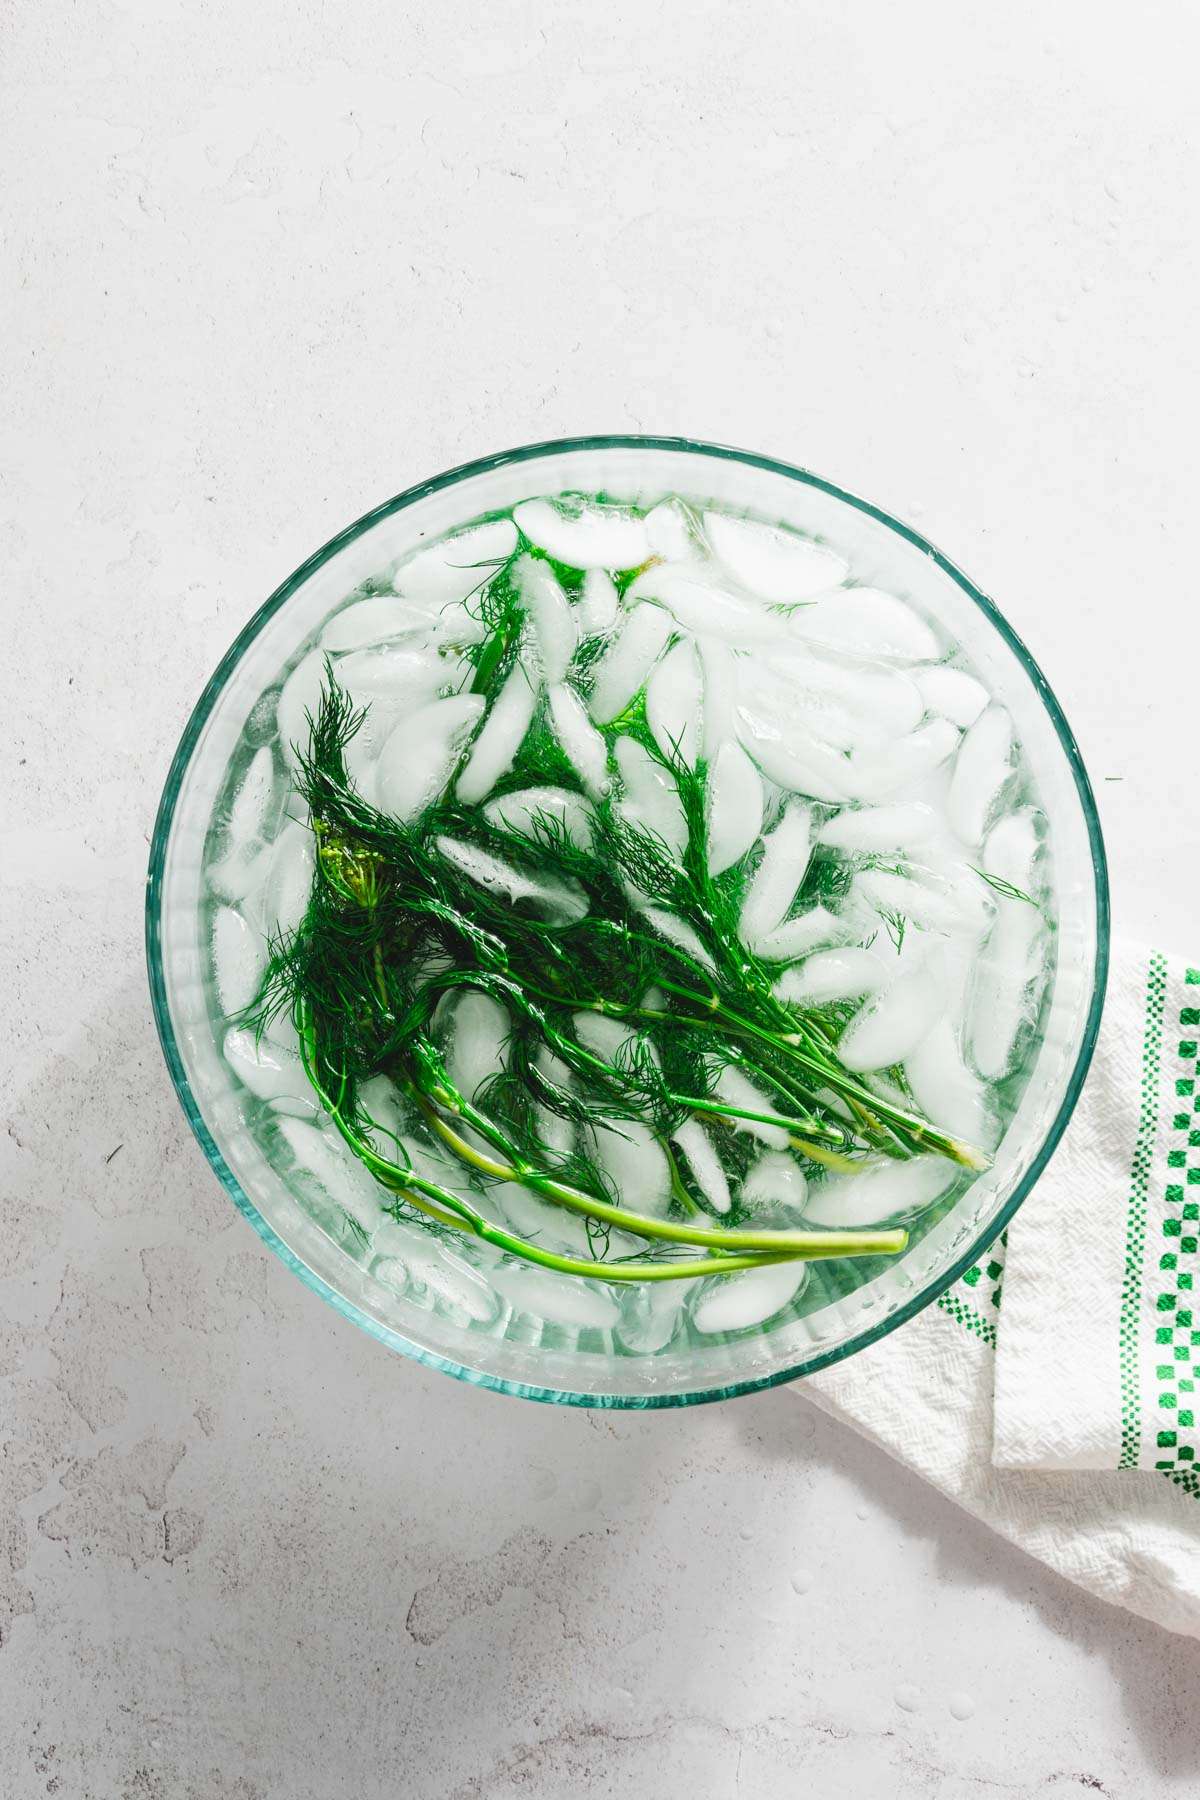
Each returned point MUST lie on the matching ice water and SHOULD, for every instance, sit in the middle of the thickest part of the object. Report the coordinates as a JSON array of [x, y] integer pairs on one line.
[[859, 768]]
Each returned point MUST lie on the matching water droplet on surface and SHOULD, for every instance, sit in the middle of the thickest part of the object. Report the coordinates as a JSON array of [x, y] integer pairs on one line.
[[802, 1580], [745, 1534], [908, 1697], [961, 1706], [862, 1512]]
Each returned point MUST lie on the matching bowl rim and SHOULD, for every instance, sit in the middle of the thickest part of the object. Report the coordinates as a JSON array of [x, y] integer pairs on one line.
[[154, 895]]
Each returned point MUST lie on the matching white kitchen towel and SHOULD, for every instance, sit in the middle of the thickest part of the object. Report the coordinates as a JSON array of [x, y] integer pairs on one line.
[[1101, 1258], [1098, 1362]]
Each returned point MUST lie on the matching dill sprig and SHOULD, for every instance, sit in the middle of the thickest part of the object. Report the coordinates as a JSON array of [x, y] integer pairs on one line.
[[394, 924], [1007, 888]]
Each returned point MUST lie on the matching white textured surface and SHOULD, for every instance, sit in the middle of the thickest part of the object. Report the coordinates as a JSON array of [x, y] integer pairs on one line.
[[266, 265]]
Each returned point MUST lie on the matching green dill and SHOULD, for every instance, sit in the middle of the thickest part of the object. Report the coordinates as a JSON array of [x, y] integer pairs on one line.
[[1004, 887], [895, 924], [394, 925]]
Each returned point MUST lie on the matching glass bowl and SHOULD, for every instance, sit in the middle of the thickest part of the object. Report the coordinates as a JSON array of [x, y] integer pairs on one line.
[[494, 1344]]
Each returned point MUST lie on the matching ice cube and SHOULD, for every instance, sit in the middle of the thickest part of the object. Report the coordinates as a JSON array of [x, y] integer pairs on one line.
[[559, 1299], [1013, 957], [554, 1227], [776, 1179], [636, 1163], [702, 600], [776, 564], [799, 762], [885, 703], [589, 536], [449, 571], [520, 812], [443, 1274], [673, 703], [368, 622], [877, 774], [704, 1163], [240, 875], [280, 1030], [735, 807], [239, 957], [649, 796], [434, 1162], [460, 623], [718, 663], [779, 702], [1012, 847], [607, 1037], [382, 1104], [866, 622], [733, 1089], [883, 1189], [298, 701], [596, 609], [931, 901], [250, 813], [650, 1314], [889, 1028], [832, 975], [671, 533], [399, 676], [946, 1091], [960, 953], [865, 829], [807, 931], [628, 660], [337, 1171], [268, 1070], [582, 744], [285, 894], [1001, 1001], [500, 737], [557, 1132], [419, 757], [777, 879], [678, 932], [553, 620], [735, 1302], [560, 902], [951, 694], [390, 685], [479, 1032], [981, 770]]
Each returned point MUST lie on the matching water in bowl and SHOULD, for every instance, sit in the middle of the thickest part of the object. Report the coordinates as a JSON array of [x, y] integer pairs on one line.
[[856, 767]]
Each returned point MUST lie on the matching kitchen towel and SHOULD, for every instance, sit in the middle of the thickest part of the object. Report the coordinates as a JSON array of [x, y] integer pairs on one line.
[[1052, 1390]]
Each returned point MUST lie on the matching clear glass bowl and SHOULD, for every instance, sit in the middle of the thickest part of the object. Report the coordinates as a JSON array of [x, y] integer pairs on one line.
[[514, 1354]]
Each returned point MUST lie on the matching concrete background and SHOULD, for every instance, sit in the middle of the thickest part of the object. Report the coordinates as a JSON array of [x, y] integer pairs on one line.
[[265, 266]]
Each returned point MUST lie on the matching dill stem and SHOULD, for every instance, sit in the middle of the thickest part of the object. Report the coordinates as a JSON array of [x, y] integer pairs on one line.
[[789, 1044], [698, 1103], [450, 1209], [718, 1017], [679, 1189], [805, 1244]]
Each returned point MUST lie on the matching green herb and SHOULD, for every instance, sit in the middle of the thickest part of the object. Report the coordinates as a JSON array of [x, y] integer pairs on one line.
[[1004, 887], [394, 924], [895, 924]]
